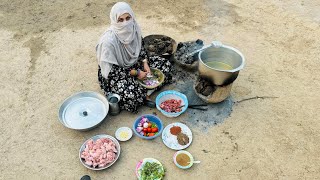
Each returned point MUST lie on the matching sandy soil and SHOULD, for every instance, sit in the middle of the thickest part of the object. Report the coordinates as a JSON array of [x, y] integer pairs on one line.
[[47, 54]]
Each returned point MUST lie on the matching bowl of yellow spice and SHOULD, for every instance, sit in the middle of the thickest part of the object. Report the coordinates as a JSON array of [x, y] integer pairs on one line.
[[123, 134]]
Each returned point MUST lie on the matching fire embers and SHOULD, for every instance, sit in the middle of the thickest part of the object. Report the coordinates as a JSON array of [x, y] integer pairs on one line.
[[185, 48], [204, 87], [209, 92]]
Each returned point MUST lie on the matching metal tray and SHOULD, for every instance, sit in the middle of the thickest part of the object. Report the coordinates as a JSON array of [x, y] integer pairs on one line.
[[84, 110], [94, 138]]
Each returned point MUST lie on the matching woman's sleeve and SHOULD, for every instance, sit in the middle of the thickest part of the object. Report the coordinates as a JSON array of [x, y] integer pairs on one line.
[[143, 52], [105, 58], [105, 69]]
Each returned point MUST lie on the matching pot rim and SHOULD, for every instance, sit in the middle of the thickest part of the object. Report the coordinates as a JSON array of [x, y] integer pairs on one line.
[[232, 70]]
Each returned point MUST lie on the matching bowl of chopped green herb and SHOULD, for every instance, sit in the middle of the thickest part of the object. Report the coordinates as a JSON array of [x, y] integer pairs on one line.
[[149, 169]]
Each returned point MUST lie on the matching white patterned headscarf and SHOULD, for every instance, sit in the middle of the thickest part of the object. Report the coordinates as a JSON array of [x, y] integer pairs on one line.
[[121, 43]]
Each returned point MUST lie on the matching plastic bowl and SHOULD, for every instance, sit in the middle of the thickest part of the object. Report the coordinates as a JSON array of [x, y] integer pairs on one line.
[[151, 118], [171, 94]]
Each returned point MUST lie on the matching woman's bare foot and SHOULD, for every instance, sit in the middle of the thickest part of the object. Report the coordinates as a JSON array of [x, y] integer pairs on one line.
[[148, 102]]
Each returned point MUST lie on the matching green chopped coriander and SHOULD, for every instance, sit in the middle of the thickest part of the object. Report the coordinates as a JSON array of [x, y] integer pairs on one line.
[[153, 125], [152, 171]]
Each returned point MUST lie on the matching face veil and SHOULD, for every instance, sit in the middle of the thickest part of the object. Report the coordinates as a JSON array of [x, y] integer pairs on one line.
[[121, 43]]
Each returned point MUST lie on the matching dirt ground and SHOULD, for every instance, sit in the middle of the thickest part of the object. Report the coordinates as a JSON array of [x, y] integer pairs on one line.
[[47, 53]]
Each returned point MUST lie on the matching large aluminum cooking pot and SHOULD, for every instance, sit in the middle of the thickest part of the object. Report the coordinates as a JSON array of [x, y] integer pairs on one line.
[[224, 54]]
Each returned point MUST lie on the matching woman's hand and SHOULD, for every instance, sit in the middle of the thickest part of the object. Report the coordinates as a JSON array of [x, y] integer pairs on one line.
[[133, 72], [146, 67], [142, 75]]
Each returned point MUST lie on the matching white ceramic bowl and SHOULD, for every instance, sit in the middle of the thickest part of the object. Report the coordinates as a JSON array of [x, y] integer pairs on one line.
[[123, 134], [183, 152]]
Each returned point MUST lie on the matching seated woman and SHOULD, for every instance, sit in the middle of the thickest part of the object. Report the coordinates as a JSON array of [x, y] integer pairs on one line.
[[122, 59]]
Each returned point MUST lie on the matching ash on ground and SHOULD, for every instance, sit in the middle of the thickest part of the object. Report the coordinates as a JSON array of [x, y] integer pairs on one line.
[[181, 75], [159, 46], [183, 81], [185, 48], [215, 114]]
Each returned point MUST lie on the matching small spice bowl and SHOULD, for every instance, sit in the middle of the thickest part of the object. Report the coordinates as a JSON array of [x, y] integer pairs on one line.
[[183, 159], [123, 134]]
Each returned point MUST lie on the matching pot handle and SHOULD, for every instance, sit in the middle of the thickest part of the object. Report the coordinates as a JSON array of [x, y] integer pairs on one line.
[[216, 44]]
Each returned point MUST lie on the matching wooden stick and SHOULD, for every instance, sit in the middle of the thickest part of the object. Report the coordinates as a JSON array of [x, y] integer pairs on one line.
[[257, 97]]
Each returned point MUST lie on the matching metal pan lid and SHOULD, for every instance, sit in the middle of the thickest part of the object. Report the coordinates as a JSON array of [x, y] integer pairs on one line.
[[83, 110]]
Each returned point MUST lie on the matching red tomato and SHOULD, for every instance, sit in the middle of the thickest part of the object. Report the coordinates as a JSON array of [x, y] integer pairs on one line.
[[145, 130], [154, 130], [149, 130]]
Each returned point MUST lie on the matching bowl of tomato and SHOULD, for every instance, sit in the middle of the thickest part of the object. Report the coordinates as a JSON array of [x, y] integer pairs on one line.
[[147, 126]]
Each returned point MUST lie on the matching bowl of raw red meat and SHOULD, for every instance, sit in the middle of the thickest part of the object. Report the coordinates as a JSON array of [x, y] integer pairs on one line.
[[99, 152], [171, 103]]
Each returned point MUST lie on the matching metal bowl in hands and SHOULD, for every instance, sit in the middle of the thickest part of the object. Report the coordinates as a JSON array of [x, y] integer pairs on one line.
[[83, 111], [95, 138], [154, 80]]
